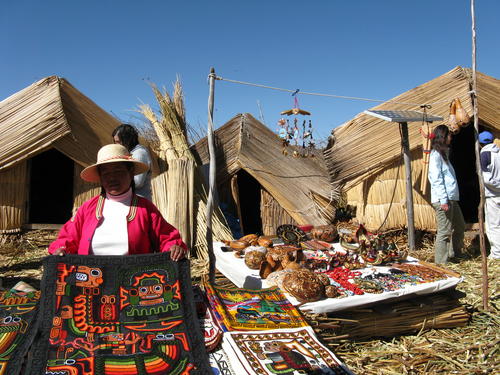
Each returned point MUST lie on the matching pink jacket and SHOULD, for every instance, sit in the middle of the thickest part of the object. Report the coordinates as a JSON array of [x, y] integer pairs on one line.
[[148, 232]]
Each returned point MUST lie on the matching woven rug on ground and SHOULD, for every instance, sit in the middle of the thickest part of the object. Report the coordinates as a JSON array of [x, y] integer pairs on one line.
[[295, 351], [245, 309], [17, 327], [106, 315]]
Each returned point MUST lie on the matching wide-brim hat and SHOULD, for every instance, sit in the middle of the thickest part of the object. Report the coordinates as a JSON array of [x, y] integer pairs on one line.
[[113, 153]]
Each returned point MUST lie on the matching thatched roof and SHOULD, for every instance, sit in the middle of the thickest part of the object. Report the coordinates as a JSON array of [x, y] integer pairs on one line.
[[52, 113], [300, 185], [366, 145]]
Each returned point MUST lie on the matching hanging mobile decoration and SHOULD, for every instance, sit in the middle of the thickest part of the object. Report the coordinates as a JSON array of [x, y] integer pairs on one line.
[[287, 134], [284, 134]]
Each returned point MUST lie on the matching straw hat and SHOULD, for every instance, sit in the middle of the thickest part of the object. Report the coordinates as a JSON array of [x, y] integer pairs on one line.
[[111, 154]]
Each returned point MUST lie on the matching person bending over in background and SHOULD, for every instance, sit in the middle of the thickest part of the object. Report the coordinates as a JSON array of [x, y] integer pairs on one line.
[[127, 136], [117, 222], [444, 198]]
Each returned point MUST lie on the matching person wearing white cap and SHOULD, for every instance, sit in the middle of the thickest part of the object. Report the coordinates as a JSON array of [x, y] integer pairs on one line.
[[118, 221], [490, 166]]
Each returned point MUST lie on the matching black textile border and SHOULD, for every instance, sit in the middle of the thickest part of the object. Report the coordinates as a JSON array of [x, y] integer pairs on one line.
[[47, 302]]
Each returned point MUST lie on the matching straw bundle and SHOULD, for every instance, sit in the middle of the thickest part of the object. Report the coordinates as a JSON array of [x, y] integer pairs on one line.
[[388, 320], [179, 192]]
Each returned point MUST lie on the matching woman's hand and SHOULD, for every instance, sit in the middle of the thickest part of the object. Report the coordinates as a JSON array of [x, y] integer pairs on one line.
[[177, 252], [445, 207], [59, 251]]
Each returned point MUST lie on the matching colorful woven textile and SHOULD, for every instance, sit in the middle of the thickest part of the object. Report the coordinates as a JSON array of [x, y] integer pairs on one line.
[[106, 315], [244, 309], [220, 363], [208, 324], [295, 351], [17, 326]]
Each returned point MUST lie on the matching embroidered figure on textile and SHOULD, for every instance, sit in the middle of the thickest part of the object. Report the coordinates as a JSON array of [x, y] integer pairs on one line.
[[295, 351], [131, 318], [149, 294], [286, 357], [252, 309]]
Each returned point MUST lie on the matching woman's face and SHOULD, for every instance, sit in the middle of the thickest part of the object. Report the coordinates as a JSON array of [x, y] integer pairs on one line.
[[116, 178], [116, 139]]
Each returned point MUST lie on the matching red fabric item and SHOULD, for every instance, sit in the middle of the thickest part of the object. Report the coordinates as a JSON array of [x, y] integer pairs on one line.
[[305, 228], [148, 232]]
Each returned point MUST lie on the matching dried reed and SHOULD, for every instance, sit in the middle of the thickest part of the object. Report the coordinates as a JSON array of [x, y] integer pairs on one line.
[[179, 190]]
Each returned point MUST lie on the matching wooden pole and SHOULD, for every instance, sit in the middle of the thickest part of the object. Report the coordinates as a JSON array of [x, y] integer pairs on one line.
[[235, 191], [212, 170], [426, 144], [409, 190], [480, 213]]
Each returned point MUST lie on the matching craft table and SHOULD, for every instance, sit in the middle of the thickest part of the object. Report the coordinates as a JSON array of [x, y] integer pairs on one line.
[[236, 270]]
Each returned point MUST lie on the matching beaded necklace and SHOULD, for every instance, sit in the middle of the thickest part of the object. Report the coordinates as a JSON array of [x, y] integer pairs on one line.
[[341, 276]]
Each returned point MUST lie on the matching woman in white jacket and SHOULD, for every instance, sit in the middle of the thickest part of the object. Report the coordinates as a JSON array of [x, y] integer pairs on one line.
[[444, 198]]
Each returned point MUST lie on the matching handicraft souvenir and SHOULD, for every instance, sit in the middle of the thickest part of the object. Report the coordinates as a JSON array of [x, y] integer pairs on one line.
[[280, 257], [245, 309], [343, 279], [291, 234], [276, 278], [290, 351], [18, 310], [458, 117], [347, 235], [427, 274], [254, 258], [327, 233], [301, 135], [315, 245], [304, 285], [107, 315]]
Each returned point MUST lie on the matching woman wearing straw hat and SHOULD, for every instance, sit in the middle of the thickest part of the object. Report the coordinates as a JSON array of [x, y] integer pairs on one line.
[[444, 198], [117, 222]]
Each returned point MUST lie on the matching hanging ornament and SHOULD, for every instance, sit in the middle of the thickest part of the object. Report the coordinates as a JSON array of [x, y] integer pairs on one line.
[[299, 136], [308, 135]]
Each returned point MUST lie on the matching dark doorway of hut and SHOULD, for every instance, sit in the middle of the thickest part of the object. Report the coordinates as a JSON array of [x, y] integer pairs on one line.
[[463, 159], [249, 195], [51, 188]]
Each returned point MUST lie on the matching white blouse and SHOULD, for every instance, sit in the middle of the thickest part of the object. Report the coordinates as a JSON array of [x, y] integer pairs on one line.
[[111, 236]]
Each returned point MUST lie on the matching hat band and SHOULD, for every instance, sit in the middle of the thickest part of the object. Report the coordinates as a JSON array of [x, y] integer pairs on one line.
[[116, 157]]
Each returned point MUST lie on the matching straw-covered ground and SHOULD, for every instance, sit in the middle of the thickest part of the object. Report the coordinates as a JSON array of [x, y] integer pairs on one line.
[[472, 349]]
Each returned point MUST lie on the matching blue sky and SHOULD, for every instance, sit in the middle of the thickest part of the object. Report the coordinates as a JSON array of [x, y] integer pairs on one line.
[[362, 48]]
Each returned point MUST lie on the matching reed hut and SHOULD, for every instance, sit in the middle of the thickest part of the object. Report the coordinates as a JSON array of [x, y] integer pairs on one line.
[[260, 185], [364, 156], [50, 132]]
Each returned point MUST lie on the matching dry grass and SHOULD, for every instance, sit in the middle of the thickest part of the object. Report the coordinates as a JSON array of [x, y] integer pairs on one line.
[[471, 349]]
